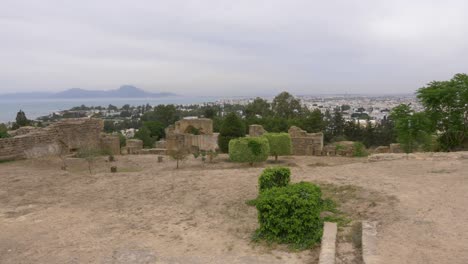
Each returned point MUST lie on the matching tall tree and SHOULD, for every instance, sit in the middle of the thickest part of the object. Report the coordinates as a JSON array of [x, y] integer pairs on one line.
[[287, 106], [259, 107], [156, 129], [165, 114], [446, 103], [144, 134], [210, 112], [21, 119], [231, 128], [312, 121], [413, 128]]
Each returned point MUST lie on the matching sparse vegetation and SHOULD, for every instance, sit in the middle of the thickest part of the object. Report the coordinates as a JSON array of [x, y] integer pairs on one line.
[[359, 150], [122, 139], [90, 154], [179, 155]]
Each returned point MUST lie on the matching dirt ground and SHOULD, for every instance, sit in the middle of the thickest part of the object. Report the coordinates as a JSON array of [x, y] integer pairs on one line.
[[150, 212]]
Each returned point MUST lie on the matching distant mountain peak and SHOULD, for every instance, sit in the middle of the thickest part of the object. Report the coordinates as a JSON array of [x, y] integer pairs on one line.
[[129, 88], [124, 91]]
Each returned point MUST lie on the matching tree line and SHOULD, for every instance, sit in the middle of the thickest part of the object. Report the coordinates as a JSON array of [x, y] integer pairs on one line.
[[442, 126]]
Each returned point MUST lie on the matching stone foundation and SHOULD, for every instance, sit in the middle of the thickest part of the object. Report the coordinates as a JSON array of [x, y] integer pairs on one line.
[[59, 138], [134, 146], [305, 144], [111, 144]]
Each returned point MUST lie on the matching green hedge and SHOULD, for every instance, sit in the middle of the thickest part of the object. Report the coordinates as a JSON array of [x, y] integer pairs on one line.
[[280, 144], [359, 150], [274, 177], [249, 149], [290, 214]]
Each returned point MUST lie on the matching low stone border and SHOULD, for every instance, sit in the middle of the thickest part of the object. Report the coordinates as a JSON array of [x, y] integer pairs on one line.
[[369, 242], [328, 249]]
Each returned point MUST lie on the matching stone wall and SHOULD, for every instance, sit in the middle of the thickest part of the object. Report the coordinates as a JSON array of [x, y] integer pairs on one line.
[[133, 146], [177, 137], [204, 125], [256, 130], [396, 148], [110, 143], [305, 144], [59, 138]]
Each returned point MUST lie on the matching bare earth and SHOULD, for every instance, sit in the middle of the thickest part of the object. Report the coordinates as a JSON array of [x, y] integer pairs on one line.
[[150, 212]]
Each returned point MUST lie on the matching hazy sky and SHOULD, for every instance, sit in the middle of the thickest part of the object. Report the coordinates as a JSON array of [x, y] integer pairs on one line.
[[231, 47]]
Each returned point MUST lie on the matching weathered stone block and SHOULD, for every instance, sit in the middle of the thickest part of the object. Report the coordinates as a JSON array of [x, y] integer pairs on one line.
[[256, 130]]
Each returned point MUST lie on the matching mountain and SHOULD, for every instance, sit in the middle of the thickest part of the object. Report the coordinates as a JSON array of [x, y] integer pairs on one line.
[[125, 91]]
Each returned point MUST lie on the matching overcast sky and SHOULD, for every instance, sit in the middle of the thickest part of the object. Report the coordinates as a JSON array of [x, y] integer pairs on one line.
[[231, 47]]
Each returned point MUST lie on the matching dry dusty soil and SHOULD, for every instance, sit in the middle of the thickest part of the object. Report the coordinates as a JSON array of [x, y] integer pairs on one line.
[[150, 212]]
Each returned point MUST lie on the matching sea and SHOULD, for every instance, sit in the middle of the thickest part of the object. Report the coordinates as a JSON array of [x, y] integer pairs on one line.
[[35, 108]]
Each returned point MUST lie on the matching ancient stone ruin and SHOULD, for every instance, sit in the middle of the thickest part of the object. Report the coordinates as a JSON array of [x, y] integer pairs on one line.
[[303, 143], [60, 138], [191, 135], [256, 130], [110, 143], [340, 148], [133, 146]]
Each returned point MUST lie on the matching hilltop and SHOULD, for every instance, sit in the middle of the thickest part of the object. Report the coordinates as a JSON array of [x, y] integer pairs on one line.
[[124, 91]]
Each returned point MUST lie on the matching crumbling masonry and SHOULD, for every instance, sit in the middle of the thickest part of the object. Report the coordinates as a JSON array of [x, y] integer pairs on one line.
[[60, 138], [191, 135], [303, 143]]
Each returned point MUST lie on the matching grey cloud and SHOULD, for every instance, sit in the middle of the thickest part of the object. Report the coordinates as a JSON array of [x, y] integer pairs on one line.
[[231, 47]]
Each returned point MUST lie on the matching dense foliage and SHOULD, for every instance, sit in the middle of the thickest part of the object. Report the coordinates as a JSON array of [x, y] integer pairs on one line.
[[21, 120], [232, 128], [144, 134], [164, 114], [3, 131], [249, 149], [290, 214], [274, 177], [413, 129], [280, 144], [284, 111], [446, 105]]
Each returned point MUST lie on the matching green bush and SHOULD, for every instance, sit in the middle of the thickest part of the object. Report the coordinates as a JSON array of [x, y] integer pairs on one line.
[[231, 128], [274, 177], [122, 140], [249, 149], [3, 131], [359, 150], [280, 144], [290, 215], [144, 134]]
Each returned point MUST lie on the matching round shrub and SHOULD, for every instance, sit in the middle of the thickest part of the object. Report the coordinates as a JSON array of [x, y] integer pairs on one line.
[[280, 144], [248, 150], [359, 150], [274, 177], [290, 215]]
